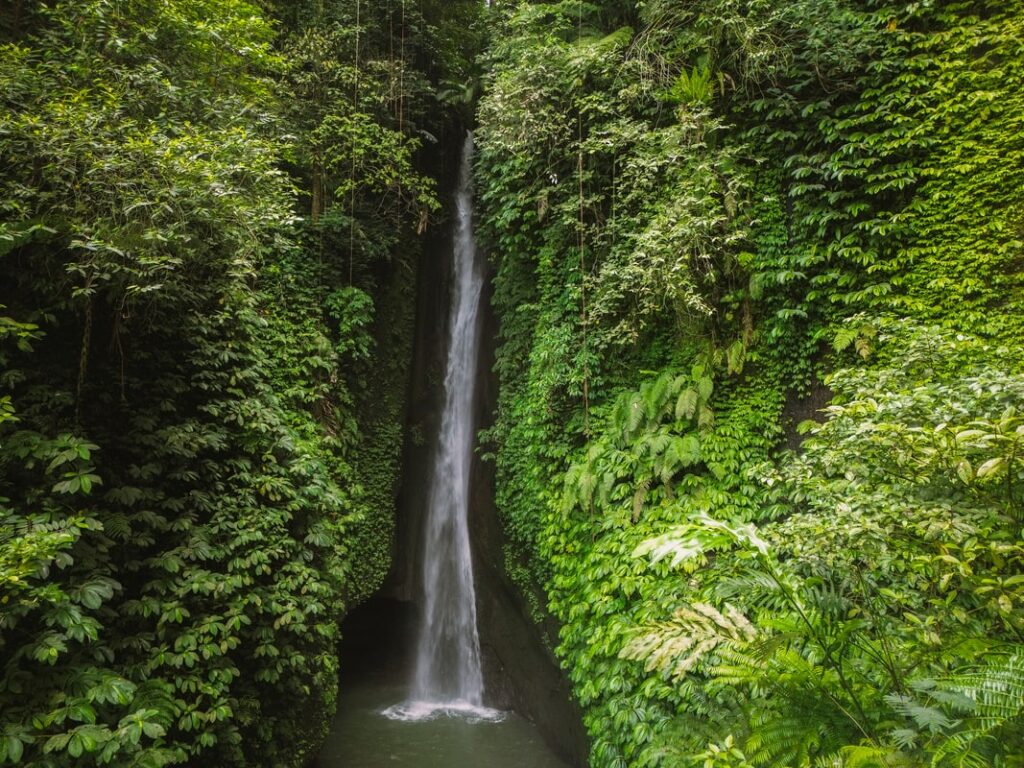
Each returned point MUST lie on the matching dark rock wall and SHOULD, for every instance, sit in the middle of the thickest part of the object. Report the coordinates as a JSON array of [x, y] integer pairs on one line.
[[520, 671]]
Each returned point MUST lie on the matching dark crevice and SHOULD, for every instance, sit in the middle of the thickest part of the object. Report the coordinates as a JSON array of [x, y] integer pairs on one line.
[[521, 674]]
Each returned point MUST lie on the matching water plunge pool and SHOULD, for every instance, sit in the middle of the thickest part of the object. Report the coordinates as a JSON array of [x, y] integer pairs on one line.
[[377, 662], [361, 737]]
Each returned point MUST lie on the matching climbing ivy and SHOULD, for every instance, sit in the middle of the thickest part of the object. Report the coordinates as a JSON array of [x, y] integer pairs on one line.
[[712, 222], [208, 252]]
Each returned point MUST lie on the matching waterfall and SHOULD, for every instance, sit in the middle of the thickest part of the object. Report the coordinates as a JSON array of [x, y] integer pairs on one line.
[[447, 678]]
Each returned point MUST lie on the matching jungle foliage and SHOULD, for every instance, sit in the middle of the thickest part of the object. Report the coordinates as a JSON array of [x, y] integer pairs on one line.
[[760, 421], [208, 248], [760, 435]]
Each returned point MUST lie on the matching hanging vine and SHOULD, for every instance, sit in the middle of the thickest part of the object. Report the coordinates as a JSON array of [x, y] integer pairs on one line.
[[352, 171], [581, 242]]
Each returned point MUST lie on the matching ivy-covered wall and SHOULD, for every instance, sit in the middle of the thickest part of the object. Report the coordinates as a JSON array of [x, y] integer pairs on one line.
[[212, 216], [711, 220]]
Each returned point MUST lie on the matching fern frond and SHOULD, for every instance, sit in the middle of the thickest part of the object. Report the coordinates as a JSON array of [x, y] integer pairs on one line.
[[634, 415], [686, 405], [685, 450], [655, 444], [926, 718], [702, 534], [996, 693], [787, 738], [655, 396], [620, 413], [639, 497], [872, 756], [755, 587], [673, 648]]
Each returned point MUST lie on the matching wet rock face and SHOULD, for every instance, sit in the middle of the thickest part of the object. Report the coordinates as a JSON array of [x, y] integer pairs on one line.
[[376, 641], [520, 672]]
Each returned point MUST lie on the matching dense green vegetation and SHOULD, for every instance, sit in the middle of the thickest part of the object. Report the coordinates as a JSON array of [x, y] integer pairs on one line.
[[760, 432], [711, 220], [211, 220]]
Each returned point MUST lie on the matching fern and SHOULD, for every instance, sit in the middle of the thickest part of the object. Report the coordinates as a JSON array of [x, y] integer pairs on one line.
[[693, 87], [634, 415], [639, 497], [869, 756], [927, 718], [686, 405], [674, 647], [755, 587], [993, 698], [655, 396], [789, 737], [702, 534]]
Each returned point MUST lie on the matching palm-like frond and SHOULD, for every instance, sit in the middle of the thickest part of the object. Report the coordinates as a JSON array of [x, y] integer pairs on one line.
[[994, 699], [676, 646], [788, 737]]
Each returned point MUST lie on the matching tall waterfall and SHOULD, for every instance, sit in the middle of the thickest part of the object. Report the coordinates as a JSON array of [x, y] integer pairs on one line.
[[447, 677]]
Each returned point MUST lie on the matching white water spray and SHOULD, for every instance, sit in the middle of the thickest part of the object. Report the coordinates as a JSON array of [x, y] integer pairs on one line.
[[447, 677]]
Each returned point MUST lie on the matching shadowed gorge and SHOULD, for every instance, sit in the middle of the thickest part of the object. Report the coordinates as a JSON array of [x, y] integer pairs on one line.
[[428, 651], [387, 637]]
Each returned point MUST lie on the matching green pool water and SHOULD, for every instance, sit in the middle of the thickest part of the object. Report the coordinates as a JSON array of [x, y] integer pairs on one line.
[[361, 737]]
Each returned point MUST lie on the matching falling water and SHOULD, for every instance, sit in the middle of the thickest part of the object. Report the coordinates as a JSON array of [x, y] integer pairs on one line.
[[447, 676]]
